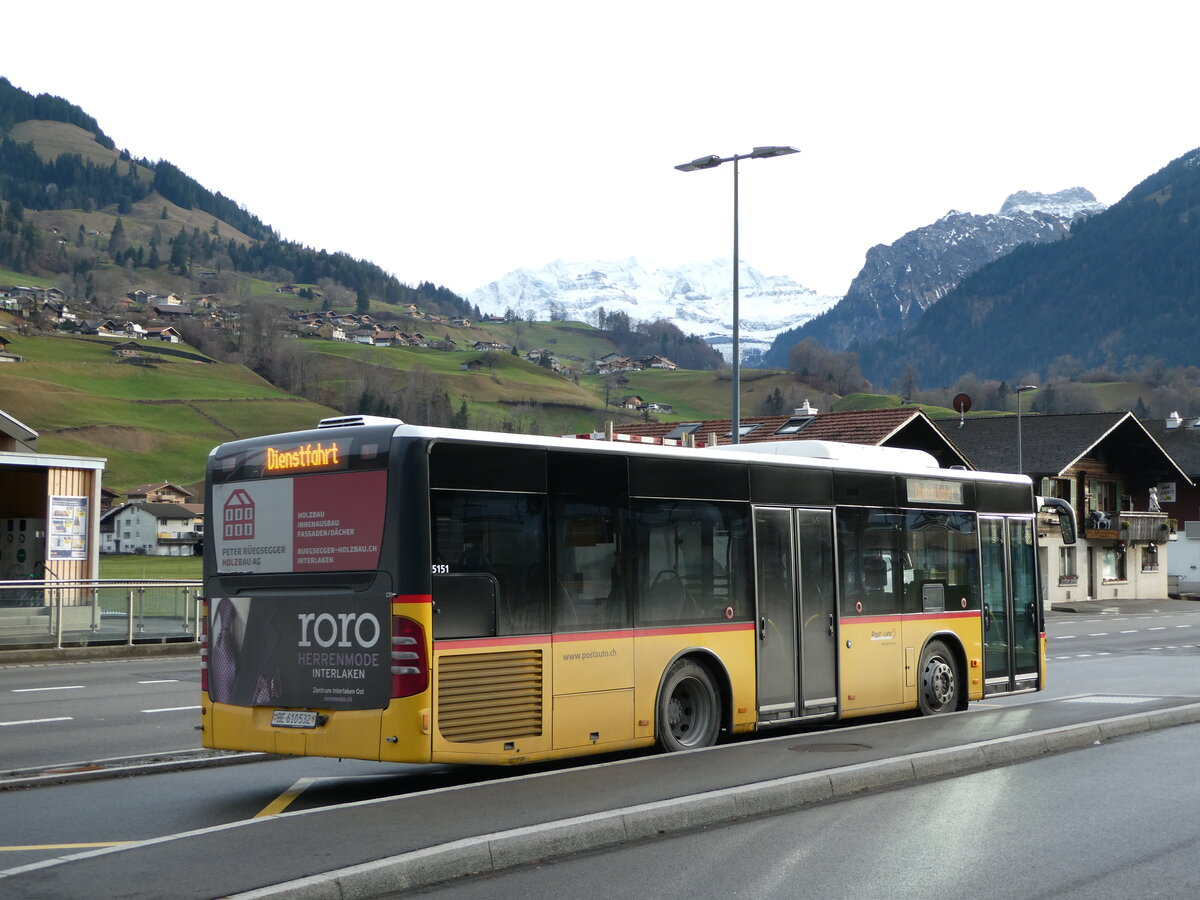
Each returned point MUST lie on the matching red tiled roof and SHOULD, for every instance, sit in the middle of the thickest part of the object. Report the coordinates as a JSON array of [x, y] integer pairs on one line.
[[868, 426], [899, 427]]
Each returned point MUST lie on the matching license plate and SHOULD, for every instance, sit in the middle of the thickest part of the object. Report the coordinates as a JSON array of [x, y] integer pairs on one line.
[[293, 718]]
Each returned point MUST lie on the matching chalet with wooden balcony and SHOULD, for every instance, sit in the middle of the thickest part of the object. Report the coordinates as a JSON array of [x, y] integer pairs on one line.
[[1109, 467], [1180, 500]]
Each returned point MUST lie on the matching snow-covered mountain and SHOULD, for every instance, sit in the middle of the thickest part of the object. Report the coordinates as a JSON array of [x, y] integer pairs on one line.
[[697, 298], [899, 281]]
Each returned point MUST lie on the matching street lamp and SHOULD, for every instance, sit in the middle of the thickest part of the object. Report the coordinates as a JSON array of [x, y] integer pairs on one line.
[[1020, 389], [711, 162]]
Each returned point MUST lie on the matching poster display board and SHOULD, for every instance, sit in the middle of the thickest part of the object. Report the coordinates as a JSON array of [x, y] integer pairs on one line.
[[67, 528], [312, 523]]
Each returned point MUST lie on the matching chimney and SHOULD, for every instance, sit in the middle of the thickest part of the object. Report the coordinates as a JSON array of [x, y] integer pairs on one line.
[[1174, 420], [806, 409]]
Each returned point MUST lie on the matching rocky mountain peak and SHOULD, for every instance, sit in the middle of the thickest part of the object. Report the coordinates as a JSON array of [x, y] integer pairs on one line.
[[1065, 204], [899, 281]]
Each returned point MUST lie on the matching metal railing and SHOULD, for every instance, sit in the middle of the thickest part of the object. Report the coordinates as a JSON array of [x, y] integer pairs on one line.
[[62, 613]]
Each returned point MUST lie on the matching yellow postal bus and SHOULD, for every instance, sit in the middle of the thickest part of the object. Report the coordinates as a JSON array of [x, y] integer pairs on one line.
[[381, 591]]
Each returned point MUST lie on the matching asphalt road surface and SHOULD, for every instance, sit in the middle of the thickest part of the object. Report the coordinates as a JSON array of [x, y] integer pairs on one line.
[[55, 715], [1114, 821]]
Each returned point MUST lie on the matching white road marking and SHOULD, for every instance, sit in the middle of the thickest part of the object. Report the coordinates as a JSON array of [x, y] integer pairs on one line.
[[65, 687], [170, 709], [161, 681], [38, 721]]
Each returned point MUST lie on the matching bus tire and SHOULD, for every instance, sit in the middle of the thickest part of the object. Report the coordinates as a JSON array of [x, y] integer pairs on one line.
[[689, 708], [941, 681]]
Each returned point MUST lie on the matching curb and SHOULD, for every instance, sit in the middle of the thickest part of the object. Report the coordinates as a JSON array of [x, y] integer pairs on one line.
[[98, 652], [519, 846], [120, 768]]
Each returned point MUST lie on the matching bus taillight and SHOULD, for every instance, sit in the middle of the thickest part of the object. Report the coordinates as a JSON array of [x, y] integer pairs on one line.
[[410, 662], [203, 630]]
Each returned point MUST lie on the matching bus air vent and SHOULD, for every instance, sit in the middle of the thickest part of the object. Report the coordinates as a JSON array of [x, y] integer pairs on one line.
[[345, 421], [490, 696]]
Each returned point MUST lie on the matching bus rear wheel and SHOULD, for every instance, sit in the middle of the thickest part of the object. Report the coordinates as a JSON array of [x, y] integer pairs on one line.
[[689, 708], [941, 682]]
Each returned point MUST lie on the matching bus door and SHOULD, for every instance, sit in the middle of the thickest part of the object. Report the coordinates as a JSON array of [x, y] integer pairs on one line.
[[1012, 621], [797, 656]]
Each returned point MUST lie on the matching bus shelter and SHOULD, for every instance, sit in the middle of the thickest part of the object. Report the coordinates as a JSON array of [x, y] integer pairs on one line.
[[49, 533]]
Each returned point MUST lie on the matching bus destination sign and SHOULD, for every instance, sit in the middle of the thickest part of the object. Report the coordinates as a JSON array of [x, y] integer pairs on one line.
[[308, 457]]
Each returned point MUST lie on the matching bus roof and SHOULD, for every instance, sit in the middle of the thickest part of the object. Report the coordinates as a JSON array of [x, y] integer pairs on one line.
[[804, 454]]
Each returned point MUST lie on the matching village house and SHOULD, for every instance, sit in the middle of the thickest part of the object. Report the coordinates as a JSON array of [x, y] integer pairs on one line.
[[163, 333], [331, 331], [154, 529], [612, 362], [1108, 467], [159, 492], [58, 311], [1179, 500], [98, 326]]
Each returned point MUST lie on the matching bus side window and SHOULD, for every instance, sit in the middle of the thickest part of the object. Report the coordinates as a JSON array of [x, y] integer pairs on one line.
[[495, 545], [589, 590], [693, 561], [872, 569]]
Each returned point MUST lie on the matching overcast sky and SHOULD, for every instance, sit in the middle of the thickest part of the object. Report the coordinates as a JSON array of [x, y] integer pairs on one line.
[[453, 142]]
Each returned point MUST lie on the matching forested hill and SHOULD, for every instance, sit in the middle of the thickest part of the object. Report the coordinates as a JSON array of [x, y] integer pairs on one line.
[[1124, 284], [103, 179]]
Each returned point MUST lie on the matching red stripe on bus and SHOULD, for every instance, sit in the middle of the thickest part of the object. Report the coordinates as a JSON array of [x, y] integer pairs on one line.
[[412, 598], [619, 634], [908, 617], [652, 632], [576, 636], [486, 642], [698, 629]]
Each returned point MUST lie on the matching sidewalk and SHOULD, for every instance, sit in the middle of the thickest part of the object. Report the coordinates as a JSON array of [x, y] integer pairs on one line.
[[1126, 607]]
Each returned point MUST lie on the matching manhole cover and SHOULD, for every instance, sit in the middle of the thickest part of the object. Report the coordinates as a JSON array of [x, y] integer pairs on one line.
[[830, 748]]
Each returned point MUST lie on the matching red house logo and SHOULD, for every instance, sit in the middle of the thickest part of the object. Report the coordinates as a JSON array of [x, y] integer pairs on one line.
[[239, 517]]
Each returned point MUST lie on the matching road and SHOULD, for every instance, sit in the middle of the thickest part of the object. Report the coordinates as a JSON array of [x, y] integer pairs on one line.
[[52, 714], [1113, 821], [56, 714], [119, 709]]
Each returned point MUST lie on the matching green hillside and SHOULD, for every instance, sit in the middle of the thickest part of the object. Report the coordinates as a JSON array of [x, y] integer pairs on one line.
[[154, 422]]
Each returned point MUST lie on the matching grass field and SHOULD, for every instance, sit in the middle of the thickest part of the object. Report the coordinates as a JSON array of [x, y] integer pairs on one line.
[[172, 568]]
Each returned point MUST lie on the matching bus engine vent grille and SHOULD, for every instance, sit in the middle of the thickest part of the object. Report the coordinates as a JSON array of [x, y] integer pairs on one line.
[[490, 696]]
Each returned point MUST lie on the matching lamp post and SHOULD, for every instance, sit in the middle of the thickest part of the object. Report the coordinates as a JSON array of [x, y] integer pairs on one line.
[[1020, 389], [711, 162]]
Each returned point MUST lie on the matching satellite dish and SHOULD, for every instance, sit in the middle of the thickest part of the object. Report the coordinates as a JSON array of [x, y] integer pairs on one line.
[[962, 404]]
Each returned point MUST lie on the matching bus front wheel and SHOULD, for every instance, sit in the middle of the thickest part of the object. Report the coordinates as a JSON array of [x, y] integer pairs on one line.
[[941, 682], [689, 708]]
